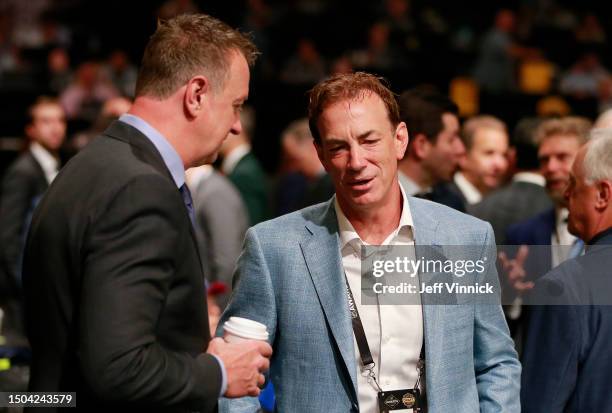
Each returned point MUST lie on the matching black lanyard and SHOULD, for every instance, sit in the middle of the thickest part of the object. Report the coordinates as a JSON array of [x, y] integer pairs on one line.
[[362, 341]]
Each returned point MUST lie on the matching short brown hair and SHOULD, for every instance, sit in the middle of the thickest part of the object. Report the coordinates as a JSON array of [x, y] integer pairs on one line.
[[422, 109], [187, 45], [570, 125], [480, 122], [349, 86], [40, 101]]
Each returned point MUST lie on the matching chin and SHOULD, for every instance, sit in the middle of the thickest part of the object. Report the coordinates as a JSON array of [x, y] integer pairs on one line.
[[208, 159]]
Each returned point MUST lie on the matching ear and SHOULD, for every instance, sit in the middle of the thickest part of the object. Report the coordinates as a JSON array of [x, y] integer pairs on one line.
[[604, 194], [196, 95], [28, 130], [421, 146], [401, 140]]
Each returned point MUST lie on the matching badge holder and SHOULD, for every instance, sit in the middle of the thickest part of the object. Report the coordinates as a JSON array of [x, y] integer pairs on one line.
[[387, 400]]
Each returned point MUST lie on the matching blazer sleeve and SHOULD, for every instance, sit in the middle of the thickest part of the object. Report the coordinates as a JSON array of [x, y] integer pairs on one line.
[[224, 221], [130, 258], [253, 298], [497, 369]]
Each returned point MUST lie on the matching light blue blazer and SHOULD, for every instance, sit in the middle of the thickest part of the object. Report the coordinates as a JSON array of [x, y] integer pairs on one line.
[[290, 278]]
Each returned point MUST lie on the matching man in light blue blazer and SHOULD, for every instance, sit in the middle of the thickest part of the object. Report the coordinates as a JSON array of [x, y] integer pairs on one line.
[[294, 270]]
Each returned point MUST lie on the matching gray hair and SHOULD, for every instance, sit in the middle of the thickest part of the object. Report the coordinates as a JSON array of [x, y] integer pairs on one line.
[[604, 120], [598, 157]]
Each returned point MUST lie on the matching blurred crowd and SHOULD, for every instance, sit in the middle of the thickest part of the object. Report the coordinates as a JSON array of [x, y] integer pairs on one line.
[[497, 104]]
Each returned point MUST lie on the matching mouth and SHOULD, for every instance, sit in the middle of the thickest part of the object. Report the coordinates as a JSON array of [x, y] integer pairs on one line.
[[557, 184], [359, 184]]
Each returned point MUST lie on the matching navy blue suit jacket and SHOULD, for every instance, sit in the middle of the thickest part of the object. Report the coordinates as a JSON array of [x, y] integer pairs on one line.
[[567, 359]]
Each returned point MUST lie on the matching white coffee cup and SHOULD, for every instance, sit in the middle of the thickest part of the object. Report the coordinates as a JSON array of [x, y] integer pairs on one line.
[[237, 329]]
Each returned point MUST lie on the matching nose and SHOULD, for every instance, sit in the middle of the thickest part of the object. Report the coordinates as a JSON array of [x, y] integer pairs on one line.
[[459, 148], [236, 127], [501, 162], [553, 165], [356, 158]]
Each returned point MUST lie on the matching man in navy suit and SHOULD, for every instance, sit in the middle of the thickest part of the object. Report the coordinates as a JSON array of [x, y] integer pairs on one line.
[[567, 359], [544, 239], [559, 141]]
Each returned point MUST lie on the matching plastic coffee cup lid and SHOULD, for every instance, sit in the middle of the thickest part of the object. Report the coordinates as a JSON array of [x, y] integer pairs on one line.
[[245, 328]]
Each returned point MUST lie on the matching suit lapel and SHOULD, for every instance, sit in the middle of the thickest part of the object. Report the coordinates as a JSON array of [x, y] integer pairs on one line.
[[148, 153], [321, 249], [41, 179], [425, 234]]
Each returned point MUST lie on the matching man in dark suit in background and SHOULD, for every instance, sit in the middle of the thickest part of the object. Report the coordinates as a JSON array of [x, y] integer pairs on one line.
[[23, 185], [115, 294], [544, 238], [525, 195], [558, 143], [434, 148], [483, 167], [567, 363], [243, 168]]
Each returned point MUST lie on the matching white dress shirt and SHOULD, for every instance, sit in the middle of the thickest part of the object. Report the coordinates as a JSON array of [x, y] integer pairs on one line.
[[561, 239], [48, 162], [530, 177], [394, 332], [470, 192], [231, 160]]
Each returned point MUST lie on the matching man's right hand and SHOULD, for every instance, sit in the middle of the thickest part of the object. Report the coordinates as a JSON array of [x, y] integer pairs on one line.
[[514, 270], [244, 364]]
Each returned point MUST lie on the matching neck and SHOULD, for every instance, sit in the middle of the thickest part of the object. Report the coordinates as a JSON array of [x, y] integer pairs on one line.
[[157, 114], [375, 224], [232, 142], [412, 169], [604, 223]]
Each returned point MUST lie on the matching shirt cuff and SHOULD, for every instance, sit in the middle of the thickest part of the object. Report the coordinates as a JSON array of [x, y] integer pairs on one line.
[[223, 376]]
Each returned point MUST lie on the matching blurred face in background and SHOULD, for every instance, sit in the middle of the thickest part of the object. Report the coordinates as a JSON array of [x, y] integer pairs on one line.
[[442, 159], [486, 162], [48, 126], [556, 154]]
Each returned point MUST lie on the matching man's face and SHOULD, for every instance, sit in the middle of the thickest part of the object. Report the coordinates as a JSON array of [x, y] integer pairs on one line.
[[360, 149], [581, 198], [443, 158], [556, 154], [48, 126], [223, 109], [486, 163]]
